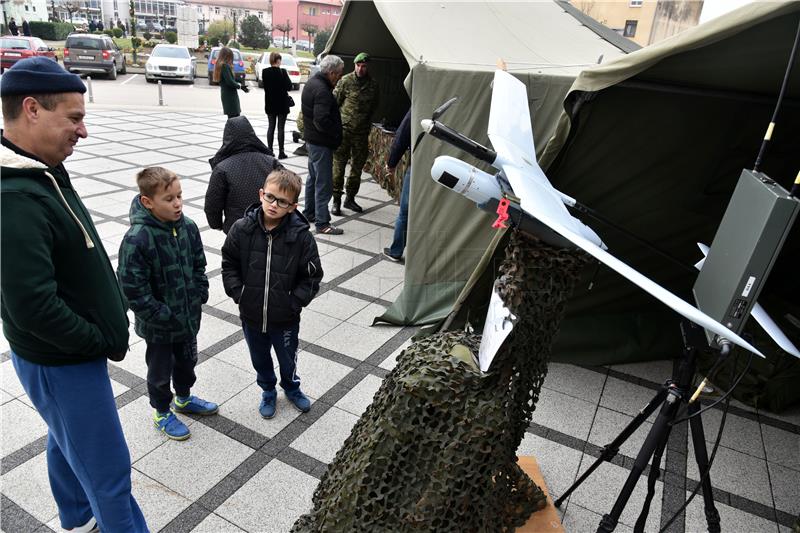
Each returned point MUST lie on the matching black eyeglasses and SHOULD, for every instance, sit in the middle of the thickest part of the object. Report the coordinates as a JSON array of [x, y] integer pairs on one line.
[[282, 203]]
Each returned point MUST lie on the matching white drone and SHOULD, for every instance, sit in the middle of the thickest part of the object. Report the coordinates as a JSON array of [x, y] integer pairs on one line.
[[520, 176]]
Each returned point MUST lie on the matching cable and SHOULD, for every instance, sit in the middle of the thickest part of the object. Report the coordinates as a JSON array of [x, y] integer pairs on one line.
[[771, 127], [581, 208], [717, 441], [726, 395]]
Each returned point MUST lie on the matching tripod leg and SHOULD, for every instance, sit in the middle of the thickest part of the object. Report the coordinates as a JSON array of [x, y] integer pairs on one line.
[[655, 473], [611, 449], [657, 433], [701, 455]]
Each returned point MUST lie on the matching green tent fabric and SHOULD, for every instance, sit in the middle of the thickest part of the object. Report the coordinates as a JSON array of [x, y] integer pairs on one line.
[[454, 53], [654, 140]]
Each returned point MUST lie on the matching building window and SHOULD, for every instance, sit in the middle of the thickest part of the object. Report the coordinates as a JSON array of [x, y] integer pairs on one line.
[[636, 3], [261, 14], [312, 11], [630, 28], [216, 11]]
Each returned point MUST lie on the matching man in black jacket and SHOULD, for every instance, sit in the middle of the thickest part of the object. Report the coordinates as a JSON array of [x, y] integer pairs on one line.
[[237, 173], [322, 129]]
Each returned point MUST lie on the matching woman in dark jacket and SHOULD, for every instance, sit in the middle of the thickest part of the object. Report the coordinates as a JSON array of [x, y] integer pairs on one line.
[[276, 99], [223, 74]]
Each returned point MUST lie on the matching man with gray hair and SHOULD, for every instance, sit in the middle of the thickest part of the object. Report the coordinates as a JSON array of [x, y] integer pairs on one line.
[[322, 125]]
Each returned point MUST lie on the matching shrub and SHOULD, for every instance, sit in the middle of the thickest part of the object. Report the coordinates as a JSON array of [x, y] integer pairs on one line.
[[221, 29], [147, 35], [253, 33], [110, 33], [117, 32], [234, 44], [50, 31], [136, 43], [321, 41], [171, 37], [149, 44], [213, 40]]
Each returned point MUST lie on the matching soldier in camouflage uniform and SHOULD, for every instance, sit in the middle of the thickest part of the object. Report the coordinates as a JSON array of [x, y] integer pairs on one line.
[[357, 95]]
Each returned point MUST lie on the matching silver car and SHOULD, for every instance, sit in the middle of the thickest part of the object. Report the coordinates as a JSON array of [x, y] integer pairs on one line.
[[172, 62], [87, 53]]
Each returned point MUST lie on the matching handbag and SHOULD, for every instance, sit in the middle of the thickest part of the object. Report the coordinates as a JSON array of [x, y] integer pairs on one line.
[[289, 100]]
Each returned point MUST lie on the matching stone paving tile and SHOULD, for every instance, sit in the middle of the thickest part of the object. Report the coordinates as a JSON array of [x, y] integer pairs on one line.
[[214, 523], [360, 397], [731, 519], [193, 466], [737, 473], [21, 425], [325, 436], [277, 508]]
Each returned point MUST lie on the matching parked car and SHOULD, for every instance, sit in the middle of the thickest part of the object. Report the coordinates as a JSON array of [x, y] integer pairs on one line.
[[12, 49], [170, 61], [238, 64], [157, 27], [288, 63], [85, 53]]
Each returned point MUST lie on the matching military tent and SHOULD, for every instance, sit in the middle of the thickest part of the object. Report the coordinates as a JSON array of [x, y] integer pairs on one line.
[[655, 140]]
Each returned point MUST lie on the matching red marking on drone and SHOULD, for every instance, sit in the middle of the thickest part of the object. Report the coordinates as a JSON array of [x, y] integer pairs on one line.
[[502, 212]]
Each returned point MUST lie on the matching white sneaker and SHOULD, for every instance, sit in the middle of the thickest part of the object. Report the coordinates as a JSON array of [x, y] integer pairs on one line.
[[88, 527]]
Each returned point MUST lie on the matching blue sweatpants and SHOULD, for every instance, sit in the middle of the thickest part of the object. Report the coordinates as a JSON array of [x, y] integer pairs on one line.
[[87, 458]]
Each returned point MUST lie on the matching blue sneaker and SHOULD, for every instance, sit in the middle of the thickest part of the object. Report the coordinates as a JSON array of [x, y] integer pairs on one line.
[[267, 407], [194, 406], [299, 400], [169, 425]]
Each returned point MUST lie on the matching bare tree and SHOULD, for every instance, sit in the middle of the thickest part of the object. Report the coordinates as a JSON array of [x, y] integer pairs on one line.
[[285, 29], [311, 30], [71, 6]]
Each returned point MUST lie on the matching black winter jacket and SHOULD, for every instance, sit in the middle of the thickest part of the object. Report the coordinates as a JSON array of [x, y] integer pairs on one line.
[[239, 169], [322, 123], [284, 259], [276, 90]]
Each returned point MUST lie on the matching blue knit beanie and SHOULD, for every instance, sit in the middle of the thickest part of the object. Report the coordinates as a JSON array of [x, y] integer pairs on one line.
[[39, 75]]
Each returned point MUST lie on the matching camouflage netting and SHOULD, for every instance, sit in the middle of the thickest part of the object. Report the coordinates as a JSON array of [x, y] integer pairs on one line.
[[380, 144], [436, 449]]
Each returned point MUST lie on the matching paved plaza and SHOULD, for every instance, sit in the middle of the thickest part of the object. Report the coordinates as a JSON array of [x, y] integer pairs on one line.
[[239, 472]]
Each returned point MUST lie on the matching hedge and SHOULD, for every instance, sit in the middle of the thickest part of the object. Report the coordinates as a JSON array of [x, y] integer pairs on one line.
[[51, 31]]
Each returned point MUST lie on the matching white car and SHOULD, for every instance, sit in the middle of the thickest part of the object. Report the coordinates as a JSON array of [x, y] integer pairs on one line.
[[288, 63], [171, 62]]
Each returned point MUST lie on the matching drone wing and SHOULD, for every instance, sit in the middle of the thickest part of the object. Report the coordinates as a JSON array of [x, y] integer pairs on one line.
[[761, 316], [656, 290], [512, 138]]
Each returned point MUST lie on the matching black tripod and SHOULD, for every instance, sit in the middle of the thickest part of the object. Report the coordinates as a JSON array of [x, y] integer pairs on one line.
[[672, 394]]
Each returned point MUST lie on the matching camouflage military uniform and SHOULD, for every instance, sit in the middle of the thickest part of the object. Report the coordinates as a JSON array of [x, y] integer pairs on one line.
[[357, 98]]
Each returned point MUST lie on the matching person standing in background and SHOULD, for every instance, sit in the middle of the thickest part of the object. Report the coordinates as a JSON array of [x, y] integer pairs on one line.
[[223, 74], [276, 100]]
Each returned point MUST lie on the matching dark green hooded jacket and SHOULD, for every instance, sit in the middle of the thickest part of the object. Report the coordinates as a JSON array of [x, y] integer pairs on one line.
[[61, 303], [162, 269]]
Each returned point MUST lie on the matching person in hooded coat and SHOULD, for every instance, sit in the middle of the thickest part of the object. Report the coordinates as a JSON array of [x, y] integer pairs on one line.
[[239, 169]]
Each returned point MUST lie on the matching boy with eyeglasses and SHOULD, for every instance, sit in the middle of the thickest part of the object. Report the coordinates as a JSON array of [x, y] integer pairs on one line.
[[271, 269]]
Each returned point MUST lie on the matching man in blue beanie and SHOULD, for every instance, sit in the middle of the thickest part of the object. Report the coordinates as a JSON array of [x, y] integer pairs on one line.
[[63, 311]]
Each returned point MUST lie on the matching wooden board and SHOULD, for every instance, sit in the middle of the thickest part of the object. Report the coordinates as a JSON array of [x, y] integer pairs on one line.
[[547, 519]]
